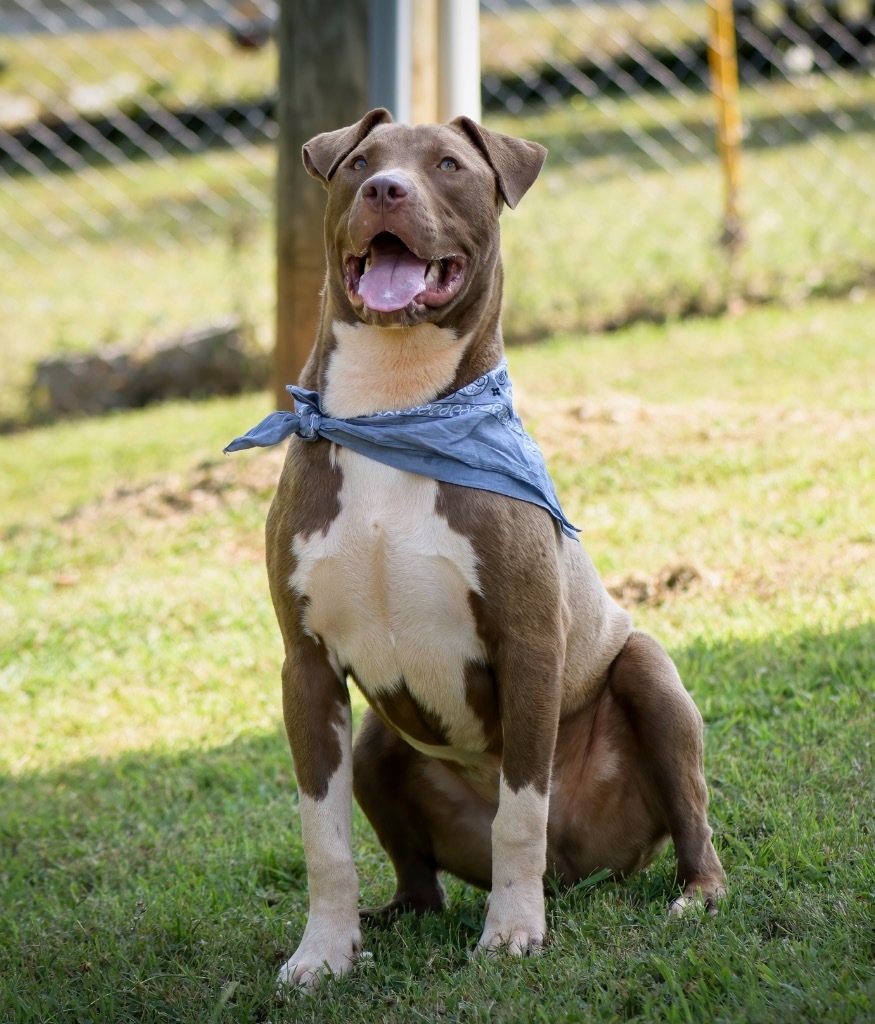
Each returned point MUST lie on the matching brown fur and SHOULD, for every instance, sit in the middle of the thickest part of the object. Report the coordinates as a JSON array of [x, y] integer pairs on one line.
[[310, 708]]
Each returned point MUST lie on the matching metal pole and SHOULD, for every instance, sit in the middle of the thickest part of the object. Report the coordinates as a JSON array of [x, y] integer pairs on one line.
[[723, 63], [458, 59], [390, 72]]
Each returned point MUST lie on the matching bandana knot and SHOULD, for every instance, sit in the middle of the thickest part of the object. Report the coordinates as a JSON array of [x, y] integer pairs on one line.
[[310, 420]]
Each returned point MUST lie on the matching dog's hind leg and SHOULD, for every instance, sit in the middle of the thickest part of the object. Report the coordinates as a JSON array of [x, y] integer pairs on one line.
[[645, 683], [426, 818]]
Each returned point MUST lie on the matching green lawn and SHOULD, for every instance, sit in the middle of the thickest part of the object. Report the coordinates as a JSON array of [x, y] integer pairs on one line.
[[151, 866]]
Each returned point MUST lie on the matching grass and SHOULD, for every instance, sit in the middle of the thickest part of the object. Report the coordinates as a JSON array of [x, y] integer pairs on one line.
[[151, 863]]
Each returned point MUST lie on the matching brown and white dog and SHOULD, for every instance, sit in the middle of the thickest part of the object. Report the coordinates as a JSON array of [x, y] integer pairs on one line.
[[518, 727]]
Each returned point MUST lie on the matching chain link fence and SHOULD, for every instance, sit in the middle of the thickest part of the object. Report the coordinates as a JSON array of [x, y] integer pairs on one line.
[[89, 87], [137, 158], [620, 93]]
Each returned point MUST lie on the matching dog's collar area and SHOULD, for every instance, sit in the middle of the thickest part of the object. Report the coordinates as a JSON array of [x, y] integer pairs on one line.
[[472, 438]]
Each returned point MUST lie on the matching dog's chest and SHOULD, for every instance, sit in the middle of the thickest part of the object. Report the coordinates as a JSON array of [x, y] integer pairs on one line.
[[386, 591]]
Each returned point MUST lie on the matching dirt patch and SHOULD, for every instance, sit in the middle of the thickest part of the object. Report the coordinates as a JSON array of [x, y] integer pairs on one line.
[[562, 426], [207, 487], [637, 588], [616, 418]]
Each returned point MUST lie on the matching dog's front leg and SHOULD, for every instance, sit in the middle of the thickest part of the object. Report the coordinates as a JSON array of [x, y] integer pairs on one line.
[[317, 715], [516, 918]]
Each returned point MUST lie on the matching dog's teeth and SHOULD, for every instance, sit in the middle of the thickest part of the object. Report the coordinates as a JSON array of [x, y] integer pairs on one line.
[[434, 272], [367, 264]]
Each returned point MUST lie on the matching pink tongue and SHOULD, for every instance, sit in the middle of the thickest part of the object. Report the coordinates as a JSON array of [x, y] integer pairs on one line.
[[394, 279]]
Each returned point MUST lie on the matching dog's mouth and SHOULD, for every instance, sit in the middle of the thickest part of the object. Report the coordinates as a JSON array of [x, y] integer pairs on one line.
[[389, 277]]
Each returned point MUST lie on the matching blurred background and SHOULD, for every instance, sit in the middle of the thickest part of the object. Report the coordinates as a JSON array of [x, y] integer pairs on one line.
[[138, 146]]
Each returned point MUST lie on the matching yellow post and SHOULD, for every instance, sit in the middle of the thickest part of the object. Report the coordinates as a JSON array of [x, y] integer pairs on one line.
[[723, 63]]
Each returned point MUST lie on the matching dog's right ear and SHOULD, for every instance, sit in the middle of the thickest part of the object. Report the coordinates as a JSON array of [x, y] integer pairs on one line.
[[324, 153]]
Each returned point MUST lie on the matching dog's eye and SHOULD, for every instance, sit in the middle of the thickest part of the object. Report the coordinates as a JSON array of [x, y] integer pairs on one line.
[[359, 164], [448, 164]]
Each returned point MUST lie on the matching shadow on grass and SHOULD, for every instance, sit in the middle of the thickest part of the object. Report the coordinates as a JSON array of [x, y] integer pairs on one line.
[[170, 886]]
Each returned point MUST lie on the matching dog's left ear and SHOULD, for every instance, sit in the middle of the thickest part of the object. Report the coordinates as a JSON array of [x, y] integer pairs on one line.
[[516, 162], [323, 154]]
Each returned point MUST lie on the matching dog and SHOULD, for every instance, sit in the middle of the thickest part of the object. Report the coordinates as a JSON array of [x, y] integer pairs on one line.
[[518, 727]]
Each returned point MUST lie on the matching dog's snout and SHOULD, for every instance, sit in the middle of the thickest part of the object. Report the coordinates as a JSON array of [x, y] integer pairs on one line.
[[385, 191]]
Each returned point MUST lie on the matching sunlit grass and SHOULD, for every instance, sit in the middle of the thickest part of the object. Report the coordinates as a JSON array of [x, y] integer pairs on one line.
[[151, 858]]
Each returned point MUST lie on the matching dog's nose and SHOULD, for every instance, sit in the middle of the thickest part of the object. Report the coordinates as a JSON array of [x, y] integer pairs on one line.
[[385, 191]]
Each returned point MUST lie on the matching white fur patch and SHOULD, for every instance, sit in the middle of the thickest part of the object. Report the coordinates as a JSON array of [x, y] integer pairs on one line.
[[377, 368], [332, 938], [388, 589], [516, 918]]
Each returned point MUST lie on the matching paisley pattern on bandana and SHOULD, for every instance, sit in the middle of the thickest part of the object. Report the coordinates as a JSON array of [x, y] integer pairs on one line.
[[472, 437], [475, 388]]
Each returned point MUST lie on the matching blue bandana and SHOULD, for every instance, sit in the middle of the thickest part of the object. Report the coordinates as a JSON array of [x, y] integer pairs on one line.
[[472, 438]]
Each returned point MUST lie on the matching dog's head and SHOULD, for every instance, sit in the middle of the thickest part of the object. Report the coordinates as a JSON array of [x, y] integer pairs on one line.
[[411, 228]]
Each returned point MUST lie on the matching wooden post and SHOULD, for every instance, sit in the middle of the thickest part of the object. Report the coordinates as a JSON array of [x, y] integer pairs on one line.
[[323, 84], [424, 85]]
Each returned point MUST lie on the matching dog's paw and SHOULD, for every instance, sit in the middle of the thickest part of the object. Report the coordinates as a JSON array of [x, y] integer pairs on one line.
[[521, 940], [513, 926], [322, 953], [694, 901]]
